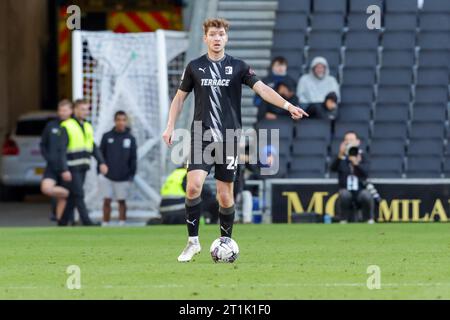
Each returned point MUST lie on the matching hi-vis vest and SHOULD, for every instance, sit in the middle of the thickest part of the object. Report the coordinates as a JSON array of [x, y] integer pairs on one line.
[[81, 144], [173, 187]]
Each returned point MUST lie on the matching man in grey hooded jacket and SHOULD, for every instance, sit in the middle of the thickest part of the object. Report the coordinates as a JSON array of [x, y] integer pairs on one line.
[[318, 91]]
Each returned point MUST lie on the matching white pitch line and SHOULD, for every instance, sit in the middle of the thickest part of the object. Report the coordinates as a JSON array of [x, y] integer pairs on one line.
[[149, 286]]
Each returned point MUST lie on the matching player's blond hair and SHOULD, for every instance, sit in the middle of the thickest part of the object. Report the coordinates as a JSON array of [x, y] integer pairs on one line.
[[215, 23]]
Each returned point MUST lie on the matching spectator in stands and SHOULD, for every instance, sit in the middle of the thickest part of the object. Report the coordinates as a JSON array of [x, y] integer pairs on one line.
[[352, 167], [270, 112], [277, 73], [318, 91]]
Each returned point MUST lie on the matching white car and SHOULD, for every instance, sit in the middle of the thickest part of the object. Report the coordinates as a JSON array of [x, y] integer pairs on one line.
[[22, 165]]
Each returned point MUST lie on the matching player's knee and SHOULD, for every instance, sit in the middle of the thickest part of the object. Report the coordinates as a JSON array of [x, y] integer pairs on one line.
[[65, 193], [46, 188], [225, 198], [193, 189]]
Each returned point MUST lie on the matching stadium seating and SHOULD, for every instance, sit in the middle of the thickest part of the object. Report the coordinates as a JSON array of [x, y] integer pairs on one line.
[[394, 83], [303, 6], [313, 129], [307, 167], [360, 6], [361, 127], [362, 40], [309, 147], [387, 147], [360, 58], [358, 76], [428, 147], [437, 40], [391, 112], [355, 112], [327, 21], [357, 21], [391, 76], [401, 6], [423, 167], [397, 58], [432, 76], [434, 58], [386, 130], [386, 166], [436, 6], [428, 112], [434, 22], [291, 21], [428, 129], [338, 6], [400, 21], [398, 40], [319, 39]]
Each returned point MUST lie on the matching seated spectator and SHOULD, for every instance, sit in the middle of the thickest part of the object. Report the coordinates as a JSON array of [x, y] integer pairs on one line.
[[277, 73], [271, 112], [318, 91], [352, 168]]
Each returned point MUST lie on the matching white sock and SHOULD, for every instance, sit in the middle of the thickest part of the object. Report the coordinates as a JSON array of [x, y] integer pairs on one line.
[[194, 240]]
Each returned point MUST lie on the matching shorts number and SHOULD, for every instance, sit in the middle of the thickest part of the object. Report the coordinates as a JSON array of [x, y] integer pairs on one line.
[[233, 163]]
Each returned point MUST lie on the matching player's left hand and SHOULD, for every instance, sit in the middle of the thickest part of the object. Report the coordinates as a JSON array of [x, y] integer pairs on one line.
[[297, 112]]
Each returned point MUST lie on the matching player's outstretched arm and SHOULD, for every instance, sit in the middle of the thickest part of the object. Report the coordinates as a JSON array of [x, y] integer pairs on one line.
[[271, 96], [175, 109]]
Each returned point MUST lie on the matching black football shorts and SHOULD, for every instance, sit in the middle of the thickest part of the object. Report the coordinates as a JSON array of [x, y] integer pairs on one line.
[[223, 156]]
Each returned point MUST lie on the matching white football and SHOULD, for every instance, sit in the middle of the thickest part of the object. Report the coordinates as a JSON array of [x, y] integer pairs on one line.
[[224, 249]]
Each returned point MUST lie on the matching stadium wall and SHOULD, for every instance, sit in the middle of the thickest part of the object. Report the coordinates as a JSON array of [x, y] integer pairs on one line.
[[23, 29], [402, 200]]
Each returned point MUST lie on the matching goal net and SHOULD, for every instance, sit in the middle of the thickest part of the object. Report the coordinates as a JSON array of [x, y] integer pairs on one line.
[[137, 73]]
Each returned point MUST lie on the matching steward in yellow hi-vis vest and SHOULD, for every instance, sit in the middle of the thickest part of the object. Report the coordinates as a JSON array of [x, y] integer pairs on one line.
[[173, 193], [77, 139], [173, 187], [173, 196], [80, 143]]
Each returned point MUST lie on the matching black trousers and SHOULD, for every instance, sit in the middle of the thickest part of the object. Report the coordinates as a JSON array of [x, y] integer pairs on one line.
[[76, 199], [351, 200]]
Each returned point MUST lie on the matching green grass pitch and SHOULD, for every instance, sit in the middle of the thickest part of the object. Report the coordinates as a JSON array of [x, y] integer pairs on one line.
[[276, 262]]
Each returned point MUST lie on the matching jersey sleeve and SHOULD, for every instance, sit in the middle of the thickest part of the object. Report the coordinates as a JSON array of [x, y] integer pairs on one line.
[[187, 81], [249, 77]]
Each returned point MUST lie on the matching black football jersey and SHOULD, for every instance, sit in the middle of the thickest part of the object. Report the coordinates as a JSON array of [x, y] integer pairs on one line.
[[218, 90]]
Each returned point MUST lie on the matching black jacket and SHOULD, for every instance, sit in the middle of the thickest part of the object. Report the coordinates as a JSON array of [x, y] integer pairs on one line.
[[279, 112], [273, 81], [120, 153], [344, 169], [51, 148]]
